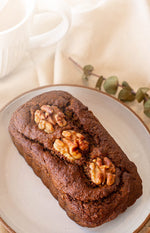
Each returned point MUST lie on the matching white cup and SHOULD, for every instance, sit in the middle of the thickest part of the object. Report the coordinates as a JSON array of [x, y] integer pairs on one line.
[[15, 30]]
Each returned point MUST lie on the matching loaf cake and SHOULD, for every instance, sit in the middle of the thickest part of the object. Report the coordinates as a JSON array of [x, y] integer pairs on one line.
[[75, 157]]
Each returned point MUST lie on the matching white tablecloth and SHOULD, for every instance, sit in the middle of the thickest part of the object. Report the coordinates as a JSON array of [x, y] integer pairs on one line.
[[114, 38]]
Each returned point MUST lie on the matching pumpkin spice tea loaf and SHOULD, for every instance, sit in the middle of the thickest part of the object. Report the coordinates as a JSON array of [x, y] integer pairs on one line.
[[75, 157]]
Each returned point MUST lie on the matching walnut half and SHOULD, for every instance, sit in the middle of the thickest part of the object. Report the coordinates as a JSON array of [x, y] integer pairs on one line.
[[71, 145], [48, 116], [102, 172]]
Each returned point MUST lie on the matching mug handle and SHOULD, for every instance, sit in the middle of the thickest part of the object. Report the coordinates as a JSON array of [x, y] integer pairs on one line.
[[54, 35]]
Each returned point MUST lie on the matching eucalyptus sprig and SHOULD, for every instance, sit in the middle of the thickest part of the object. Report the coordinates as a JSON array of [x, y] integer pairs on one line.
[[111, 85]]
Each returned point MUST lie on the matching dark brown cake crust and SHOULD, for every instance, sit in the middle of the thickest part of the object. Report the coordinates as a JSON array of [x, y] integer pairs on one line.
[[87, 203]]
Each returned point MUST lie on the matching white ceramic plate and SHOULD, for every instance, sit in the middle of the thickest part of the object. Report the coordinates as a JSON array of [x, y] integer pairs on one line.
[[27, 206]]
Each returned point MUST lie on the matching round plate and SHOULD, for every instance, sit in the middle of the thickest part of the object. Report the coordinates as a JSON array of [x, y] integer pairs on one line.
[[26, 205]]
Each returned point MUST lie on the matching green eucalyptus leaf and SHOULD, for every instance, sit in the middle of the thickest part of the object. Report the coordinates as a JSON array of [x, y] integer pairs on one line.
[[99, 82], [142, 93], [126, 85], [88, 69], [126, 95], [111, 85], [147, 108], [146, 97]]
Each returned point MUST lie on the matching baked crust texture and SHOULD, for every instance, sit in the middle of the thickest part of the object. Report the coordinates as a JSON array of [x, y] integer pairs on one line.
[[75, 157]]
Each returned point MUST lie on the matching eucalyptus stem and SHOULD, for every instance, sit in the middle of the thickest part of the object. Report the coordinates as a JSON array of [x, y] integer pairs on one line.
[[111, 85], [92, 73], [81, 68]]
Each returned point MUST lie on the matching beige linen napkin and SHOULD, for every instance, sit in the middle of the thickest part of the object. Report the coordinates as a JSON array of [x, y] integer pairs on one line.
[[114, 38]]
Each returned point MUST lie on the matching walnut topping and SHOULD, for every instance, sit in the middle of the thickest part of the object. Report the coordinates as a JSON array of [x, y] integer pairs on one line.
[[71, 145], [48, 116], [102, 172]]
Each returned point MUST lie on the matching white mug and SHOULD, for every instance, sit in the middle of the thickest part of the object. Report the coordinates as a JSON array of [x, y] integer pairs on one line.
[[15, 36]]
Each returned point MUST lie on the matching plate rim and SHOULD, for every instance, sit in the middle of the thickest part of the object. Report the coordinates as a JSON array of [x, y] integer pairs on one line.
[[8, 228]]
